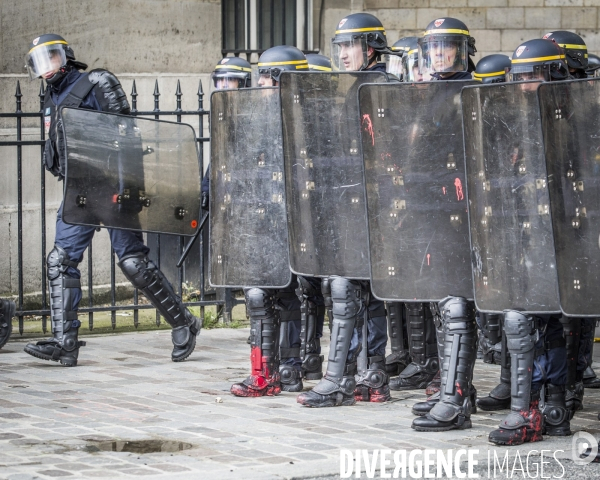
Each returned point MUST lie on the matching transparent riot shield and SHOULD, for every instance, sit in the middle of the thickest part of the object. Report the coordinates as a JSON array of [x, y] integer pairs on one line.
[[324, 173], [416, 197], [130, 173], [248, 224], [570, 114], [512, 244]]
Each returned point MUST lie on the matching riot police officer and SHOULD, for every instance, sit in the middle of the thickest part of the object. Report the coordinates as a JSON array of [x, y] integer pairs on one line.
[[275, 314], [358, 45], [50, 57], [492, 69], [445, 50], [318, 63], [7, 312], [535, 343]]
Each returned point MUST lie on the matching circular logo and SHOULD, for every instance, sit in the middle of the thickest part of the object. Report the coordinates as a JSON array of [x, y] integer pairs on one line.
[[36, 40], [584, 448], [438, 22], [342, 21], [549, 34], [225, 60], [519, 51]]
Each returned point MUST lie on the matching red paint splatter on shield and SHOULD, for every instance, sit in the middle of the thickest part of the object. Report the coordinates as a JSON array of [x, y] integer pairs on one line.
[[428, 258], [459, 190], [444, 190], [369, 127]]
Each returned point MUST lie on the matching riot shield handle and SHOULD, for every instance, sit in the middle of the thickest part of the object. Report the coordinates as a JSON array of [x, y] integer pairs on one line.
[[190, 244]]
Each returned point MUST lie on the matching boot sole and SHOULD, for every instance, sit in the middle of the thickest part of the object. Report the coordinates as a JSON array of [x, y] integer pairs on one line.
[[41, 356], [464, 426], [494, 408], [189, 352], [330, 403]]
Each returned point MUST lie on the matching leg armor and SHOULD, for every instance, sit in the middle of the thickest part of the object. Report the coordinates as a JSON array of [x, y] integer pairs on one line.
[[264, 356], [574, 387], [310, 346], [145, 275], [453, 411], [326, 291], [590, 380], [423, 349], [433, 388], [372, 384], [399, 359], [337, 387], [556, 414], [499, 397], [490, 337], [65, 291], [524, 422], [7, 312]]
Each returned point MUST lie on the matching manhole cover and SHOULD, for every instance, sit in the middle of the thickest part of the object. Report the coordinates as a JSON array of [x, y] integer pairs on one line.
[[139, 446]]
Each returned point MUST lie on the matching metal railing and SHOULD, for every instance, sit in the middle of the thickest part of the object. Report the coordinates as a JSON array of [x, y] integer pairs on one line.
[[222, 298]]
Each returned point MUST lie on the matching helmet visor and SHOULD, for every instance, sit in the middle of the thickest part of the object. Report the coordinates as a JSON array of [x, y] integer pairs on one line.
[[394, 66], [410, 67], [45, 60], [523, 73], [444, 54], [228, 80], [349, 54]]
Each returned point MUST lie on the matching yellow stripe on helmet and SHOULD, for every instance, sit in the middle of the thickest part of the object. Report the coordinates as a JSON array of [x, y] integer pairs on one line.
[[573, 47], [493, 74], [537, 59], [234, 67], [448, 30], [319, 67], [53, 42], [357, 30], [291, 62], [414, 50]]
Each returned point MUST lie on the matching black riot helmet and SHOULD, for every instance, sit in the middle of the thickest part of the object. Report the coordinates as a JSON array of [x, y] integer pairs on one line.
[[318, 63], [593, 69], [353, 37], [277, 59], [446, 47], [232, 72], [538, 59], [575, 49], [49, 56], [492, 69]]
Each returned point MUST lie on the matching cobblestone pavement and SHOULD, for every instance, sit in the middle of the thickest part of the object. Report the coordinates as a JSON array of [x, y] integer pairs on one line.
[[60, 422]]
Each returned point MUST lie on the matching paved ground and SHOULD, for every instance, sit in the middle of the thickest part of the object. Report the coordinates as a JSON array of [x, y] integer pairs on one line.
[[58, 422]]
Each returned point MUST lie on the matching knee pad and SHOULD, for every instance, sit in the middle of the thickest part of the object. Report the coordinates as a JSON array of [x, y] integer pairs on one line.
[[346, 297], [58, 261], [260, 303], [519, 330]]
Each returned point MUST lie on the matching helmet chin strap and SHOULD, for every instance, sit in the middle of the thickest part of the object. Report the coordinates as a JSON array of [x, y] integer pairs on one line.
[[58, 76]]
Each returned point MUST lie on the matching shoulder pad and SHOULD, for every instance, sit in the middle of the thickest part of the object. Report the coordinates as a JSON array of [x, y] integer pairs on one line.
[[109, 92]]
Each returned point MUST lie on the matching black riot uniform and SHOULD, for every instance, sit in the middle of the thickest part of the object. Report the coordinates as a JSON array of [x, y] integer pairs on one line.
[[51, 58], [7, 312], [276, 314], [358, 44]]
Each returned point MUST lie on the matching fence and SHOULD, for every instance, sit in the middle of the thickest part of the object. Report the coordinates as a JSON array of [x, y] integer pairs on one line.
[[194, 268]]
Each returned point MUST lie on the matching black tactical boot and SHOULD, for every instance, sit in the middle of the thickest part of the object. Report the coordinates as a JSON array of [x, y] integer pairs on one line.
[[499, 397], [372, 384], [264, 356], [7, 312], [399, 359], [423, 349], [524, 422], [336, 388], [421, 409], [64, 346], [574, 386], [555, 412], [453, 411], [590, 380], [145, 275]]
